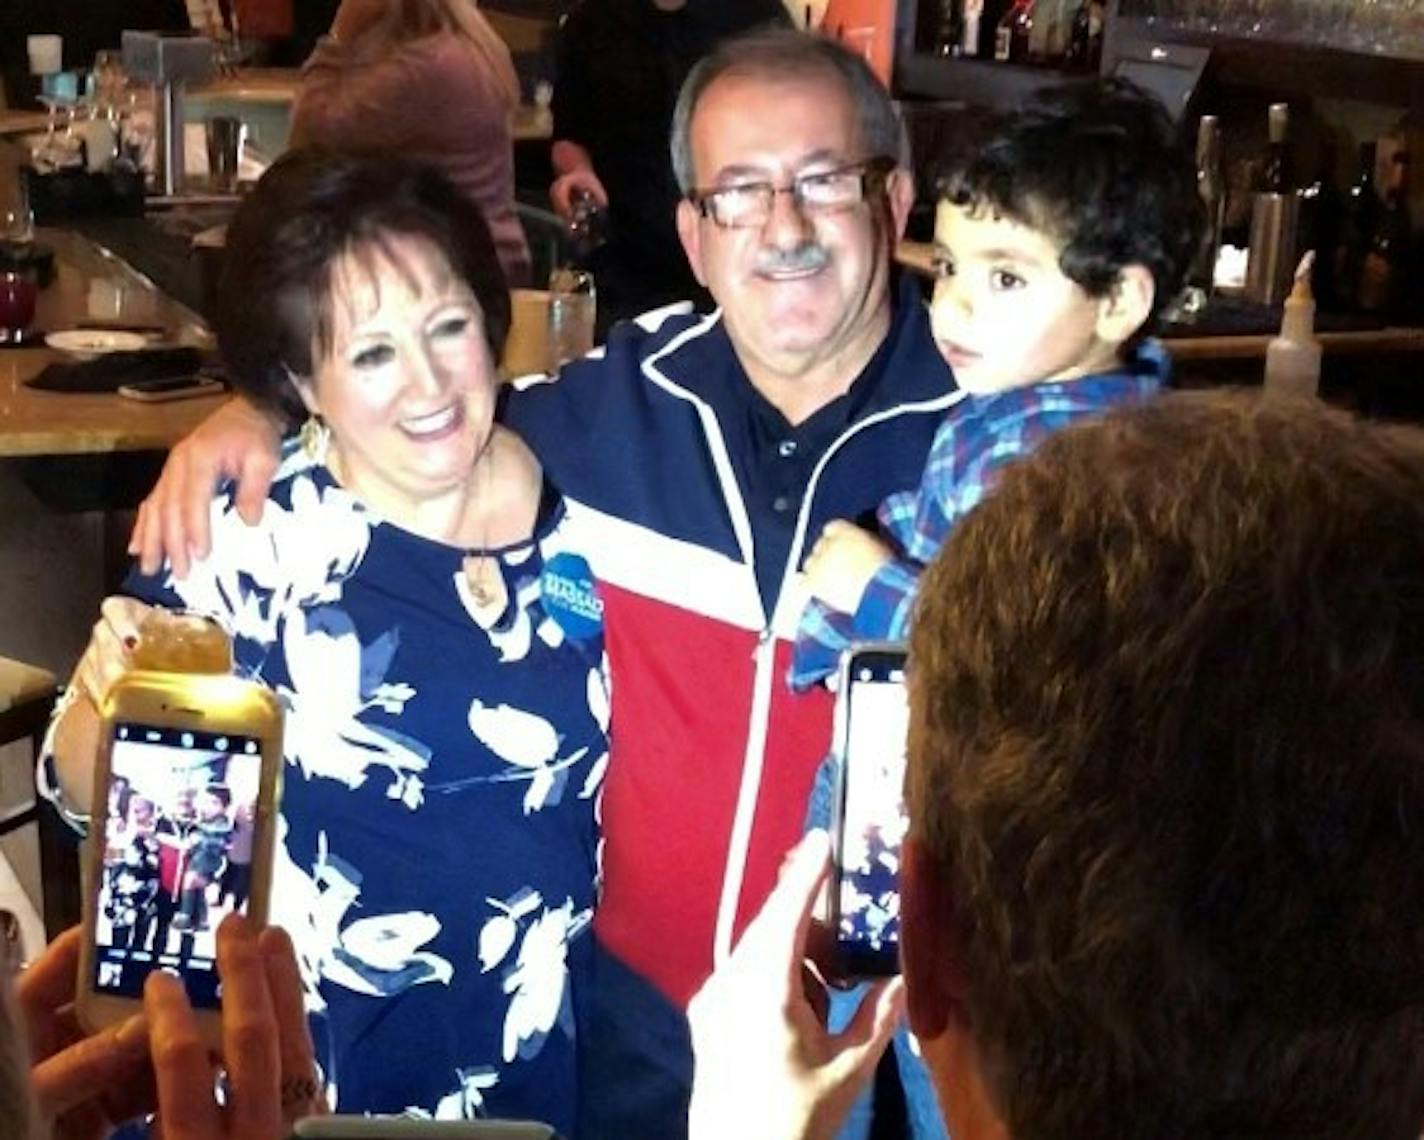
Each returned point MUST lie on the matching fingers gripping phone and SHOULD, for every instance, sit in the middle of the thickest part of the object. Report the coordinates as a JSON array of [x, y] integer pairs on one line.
[[869, 821], [185, 797]]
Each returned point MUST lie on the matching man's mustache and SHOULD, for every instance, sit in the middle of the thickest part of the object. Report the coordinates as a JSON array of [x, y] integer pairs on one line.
[[802, 259]]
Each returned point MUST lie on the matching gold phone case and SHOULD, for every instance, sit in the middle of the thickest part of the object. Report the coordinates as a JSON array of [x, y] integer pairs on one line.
[[201, 703]]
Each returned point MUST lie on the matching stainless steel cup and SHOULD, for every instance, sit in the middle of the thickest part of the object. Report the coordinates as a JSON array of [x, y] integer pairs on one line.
[[225, 138], [1271, 260]]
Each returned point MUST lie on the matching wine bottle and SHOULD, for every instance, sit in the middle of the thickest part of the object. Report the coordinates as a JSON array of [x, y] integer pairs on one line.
[[949, 40], [971, 15], [1040, 31], [1322, 213], [1382, 273], [1276, 175], [990, 15], [1085, 38], [1362, 211], [1060, 32], [1212, 188], [1012, 36]]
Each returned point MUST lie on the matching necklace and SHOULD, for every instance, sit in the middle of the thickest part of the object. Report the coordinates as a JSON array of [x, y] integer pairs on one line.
[[483, 574]]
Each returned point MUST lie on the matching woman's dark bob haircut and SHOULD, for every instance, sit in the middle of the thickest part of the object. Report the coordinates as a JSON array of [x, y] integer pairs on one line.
[[311, 208]]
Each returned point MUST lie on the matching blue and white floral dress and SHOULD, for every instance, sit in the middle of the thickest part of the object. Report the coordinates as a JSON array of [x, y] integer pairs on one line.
[[437, 854]]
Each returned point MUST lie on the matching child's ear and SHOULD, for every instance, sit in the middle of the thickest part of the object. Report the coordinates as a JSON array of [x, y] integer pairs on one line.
[[1125, 310]]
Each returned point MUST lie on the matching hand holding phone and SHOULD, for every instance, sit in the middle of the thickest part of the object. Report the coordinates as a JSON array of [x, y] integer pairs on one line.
[[869, 820], [185, 803]]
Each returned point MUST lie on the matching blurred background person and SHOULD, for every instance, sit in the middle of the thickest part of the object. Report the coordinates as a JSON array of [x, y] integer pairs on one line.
[[429, 80], [621, 64]]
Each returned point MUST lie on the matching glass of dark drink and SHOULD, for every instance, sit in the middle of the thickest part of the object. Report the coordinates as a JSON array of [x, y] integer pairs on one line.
[[17, 303]]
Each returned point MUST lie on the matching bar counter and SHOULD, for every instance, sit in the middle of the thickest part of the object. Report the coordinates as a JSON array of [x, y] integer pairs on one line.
[[38, 423], [90, 285]]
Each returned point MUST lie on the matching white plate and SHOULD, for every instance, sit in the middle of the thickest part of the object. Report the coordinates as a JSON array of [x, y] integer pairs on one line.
[[95, 342]]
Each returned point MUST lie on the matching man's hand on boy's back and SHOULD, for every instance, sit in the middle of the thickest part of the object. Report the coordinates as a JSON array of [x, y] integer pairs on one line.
[[842, 563], [236, 442]]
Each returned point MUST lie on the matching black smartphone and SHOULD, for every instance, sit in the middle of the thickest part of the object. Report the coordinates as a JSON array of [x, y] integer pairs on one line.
[[869, 821], [170, 388]]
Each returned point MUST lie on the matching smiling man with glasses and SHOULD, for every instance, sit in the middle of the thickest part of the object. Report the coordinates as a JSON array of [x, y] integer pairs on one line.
[[696, 453], [710, 448]]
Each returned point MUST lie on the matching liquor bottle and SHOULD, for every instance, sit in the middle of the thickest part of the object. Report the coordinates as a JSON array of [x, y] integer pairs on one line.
[[990, 14], [1085, 38], [1011, 38], [1362, 211], [1322, 213], [1040, 31], [1212, 188], [949, 39], [970, 19], [587, 229], [1382, 274], [1276, 175], [1060, 31]]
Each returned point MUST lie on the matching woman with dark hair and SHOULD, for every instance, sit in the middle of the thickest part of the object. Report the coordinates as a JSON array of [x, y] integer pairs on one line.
[[412, 596]]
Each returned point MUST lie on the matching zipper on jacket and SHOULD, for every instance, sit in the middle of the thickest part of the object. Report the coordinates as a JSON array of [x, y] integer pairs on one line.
[[753, 760]]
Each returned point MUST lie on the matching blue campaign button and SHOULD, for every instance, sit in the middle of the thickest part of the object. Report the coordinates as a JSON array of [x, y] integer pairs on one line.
[[571, 597]]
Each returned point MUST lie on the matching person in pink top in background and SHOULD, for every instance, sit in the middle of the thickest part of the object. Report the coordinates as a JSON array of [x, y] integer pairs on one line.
[[430, 80]]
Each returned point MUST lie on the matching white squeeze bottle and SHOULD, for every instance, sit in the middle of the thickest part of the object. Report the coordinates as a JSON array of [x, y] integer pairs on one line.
[[1293, 358]]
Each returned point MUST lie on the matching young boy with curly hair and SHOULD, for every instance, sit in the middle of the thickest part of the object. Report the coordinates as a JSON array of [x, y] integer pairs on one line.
[[1058, 241], [1057, 244]]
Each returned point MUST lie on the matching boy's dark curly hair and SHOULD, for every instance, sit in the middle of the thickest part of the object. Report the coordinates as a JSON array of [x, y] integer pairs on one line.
[[1097, 165]]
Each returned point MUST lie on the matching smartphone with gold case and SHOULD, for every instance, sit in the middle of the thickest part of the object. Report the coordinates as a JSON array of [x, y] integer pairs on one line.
[[185, 811]]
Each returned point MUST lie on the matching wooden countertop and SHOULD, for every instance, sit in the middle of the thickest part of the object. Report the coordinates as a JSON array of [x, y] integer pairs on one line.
[[89, 284]]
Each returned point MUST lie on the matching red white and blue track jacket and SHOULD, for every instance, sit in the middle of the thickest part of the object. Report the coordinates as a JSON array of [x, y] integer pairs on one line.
[[712, 754]]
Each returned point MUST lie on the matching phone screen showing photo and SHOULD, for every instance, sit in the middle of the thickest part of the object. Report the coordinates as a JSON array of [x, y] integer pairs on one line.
[[178, 846], [873, 813]]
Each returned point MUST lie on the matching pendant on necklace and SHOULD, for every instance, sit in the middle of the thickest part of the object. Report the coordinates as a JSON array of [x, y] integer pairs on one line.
[[484, 587]]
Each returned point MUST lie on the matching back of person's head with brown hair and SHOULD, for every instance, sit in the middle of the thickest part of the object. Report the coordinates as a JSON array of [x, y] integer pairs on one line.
[[1168, 758]]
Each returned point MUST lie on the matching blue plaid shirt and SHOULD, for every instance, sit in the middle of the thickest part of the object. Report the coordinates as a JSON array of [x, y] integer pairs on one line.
[[978, 437]]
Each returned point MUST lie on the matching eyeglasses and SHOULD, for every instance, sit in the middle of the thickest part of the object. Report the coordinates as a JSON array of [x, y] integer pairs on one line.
[[750, 203]]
